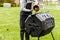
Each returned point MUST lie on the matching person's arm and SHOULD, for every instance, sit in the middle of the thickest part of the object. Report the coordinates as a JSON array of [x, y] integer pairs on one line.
[[22, 5], [35, 2], [36, 6]]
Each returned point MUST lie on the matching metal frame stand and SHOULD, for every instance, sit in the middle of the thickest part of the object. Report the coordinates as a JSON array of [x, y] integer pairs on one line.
[[52, 36], [38, 38]]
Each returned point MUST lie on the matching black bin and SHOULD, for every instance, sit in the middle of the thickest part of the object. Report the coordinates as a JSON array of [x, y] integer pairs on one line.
[[39, 24]]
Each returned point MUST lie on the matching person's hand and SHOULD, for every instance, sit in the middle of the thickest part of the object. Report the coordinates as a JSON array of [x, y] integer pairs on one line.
[[35, 3]]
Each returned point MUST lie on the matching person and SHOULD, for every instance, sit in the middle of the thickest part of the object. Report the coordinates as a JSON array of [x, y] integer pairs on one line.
[[26, 10]]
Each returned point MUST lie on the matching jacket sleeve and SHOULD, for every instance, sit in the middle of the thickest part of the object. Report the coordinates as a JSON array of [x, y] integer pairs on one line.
[[22, 5], [36, 2]]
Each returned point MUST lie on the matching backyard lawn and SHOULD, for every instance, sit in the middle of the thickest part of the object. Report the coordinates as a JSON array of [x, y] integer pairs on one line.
[[10, 29]]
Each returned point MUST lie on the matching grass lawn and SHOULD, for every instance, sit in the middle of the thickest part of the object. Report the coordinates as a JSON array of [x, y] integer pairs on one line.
[[9, 24]]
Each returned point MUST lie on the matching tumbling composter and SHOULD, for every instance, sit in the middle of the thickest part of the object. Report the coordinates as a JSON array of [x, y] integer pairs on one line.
[[40, 24]]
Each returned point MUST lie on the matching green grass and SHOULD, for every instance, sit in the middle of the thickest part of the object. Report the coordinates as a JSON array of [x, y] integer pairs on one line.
[[9, 20]]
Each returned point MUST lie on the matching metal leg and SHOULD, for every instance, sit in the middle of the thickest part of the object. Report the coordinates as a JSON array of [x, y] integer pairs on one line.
[[38, 38], [52, 36]]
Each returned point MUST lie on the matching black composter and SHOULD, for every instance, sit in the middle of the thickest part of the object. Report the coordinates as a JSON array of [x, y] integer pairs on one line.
[[39, 24]]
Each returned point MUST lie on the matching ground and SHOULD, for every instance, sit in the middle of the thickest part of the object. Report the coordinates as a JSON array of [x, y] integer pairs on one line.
[[10, 29]]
